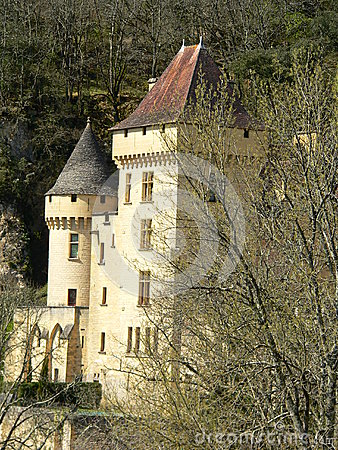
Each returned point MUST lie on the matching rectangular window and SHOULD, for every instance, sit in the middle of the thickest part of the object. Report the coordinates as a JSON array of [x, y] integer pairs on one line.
[[144, 288], [246, 134], [72, 297], [74, 246], [113, 240], [147, 339], [103, 342], [128, 188], [126, 133], [102, 199], [104, 296], [137, 339], [82, 341], [147, 186], [106, 218], [155, 346], [102, 253], [50, 198], [146, 230], [130, 339], [56, 375], [73, 198], [144, 131]]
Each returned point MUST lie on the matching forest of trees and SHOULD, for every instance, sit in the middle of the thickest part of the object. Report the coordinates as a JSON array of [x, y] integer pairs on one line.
[[258, 350], [62, 60]]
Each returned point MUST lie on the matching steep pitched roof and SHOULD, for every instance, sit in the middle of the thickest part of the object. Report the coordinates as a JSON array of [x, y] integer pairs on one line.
[[86, 171], [176, 88]]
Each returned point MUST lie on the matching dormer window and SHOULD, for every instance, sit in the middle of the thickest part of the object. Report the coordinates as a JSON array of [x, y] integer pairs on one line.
[[73, 198]]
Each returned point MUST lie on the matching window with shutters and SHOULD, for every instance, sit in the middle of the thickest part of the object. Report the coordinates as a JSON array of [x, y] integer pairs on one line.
[[147, 186]]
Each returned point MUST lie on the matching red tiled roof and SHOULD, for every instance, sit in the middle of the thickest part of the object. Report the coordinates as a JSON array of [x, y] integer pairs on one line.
[[176, 88]]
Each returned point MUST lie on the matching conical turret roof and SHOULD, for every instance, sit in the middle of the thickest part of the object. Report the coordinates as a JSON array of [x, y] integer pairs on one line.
[[86, 171]]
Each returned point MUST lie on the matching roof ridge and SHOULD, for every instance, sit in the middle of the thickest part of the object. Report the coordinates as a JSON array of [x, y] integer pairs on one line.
[[193, 72]]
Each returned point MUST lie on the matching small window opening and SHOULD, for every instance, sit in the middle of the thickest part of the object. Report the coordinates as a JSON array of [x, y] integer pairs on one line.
[[72, 297], [246, 134], [50, 198], [102, 199], [56, 375], [147, 339], [82, 341], [162, 128], [102, 253], [104, 296], [144, 131], [103, 342], [130, 339], [106, 217], [113, 240], [73, 198], [137, 339], [96, 377], [126, 132]]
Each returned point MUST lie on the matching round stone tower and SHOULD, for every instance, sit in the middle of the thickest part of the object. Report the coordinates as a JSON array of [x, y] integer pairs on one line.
[[68, 212]]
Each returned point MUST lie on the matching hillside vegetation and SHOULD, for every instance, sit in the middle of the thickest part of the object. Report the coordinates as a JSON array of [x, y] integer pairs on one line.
[[62, 60]]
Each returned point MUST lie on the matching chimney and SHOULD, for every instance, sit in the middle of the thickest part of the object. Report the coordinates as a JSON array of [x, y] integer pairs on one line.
[[151, 83]]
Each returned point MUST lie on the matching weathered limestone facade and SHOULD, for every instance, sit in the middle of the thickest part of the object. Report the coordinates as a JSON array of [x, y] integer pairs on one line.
[[94, 323]]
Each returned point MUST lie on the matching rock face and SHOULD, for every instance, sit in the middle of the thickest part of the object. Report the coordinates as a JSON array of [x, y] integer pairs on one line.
[[16, 135], [13, 244]]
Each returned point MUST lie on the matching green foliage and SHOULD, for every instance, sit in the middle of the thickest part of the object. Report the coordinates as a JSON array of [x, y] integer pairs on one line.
[[62, 61]]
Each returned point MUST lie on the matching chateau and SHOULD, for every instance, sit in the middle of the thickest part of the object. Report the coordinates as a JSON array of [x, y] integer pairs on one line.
[[100, 276]]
